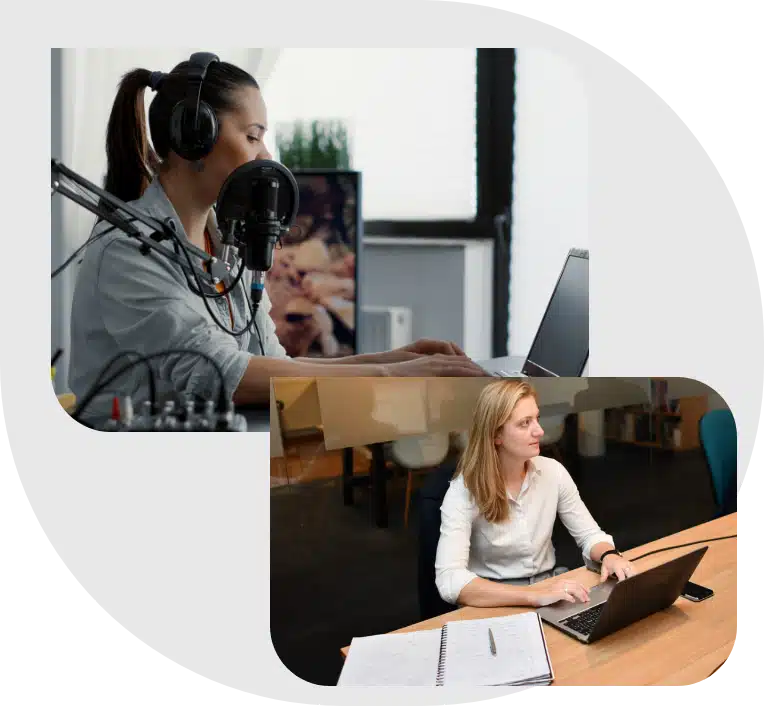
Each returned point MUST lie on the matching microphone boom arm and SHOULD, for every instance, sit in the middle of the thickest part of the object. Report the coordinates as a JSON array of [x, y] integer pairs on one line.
[[160, 231]]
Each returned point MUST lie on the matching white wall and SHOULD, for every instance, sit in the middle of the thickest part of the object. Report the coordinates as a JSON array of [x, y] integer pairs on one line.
[[411, 120], [550, 209]]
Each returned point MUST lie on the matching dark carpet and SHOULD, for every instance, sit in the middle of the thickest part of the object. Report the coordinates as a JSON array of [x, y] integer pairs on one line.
[[334, 575]]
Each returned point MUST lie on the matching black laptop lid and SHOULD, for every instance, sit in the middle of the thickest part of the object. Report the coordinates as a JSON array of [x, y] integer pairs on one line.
[[561, 346], [646, 593]]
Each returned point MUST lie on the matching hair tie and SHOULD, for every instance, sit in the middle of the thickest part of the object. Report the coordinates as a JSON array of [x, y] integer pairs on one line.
[[155, 80]]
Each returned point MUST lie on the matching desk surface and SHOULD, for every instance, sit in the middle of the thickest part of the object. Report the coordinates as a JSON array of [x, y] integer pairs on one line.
[[681, 645]]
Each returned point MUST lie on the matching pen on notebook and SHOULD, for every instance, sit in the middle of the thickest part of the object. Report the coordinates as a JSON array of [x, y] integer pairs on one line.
[[490, 639]]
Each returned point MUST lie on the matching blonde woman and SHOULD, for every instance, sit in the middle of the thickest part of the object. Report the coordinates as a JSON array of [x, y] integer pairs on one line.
[[498, 514]]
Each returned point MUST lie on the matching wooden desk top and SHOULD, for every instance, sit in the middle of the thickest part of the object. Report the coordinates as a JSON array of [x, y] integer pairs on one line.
[[681, 645]]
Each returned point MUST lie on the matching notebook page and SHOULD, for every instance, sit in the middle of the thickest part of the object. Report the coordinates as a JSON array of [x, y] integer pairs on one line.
[[400, 659], [520, 651]]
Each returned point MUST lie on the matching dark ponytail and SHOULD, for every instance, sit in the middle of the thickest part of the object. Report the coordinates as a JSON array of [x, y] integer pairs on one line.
[[131, 162]]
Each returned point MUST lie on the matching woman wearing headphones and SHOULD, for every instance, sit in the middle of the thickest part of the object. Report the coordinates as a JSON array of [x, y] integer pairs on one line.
[[499, 511], [207, 118]]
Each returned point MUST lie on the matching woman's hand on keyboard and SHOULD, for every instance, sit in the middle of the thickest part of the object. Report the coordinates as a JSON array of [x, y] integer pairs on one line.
[[437, 365], [556, 590]]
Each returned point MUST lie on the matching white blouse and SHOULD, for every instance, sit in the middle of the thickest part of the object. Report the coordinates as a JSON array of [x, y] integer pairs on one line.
[[520, 547]]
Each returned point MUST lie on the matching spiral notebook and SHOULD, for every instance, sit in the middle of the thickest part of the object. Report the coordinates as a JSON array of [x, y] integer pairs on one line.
[[458, 654]]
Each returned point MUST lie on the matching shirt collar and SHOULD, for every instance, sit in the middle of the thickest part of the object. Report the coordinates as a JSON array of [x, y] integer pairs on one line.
[[533, 467], [533, 472], [155, 203]]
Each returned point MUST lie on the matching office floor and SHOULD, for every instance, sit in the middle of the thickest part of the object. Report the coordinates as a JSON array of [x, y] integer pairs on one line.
[[334, 575]]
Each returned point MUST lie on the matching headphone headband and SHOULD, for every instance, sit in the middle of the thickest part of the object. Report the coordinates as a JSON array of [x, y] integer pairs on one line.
[[193, 123], [200, 61]]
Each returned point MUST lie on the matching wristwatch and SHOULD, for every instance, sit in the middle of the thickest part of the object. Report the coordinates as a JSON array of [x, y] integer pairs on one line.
[[610, 551]]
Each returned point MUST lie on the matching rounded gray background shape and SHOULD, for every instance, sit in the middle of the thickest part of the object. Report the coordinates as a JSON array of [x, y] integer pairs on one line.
[[167, 535]]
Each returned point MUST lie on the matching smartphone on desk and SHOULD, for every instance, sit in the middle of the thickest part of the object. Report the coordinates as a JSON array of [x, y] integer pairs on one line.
[[696, 592]]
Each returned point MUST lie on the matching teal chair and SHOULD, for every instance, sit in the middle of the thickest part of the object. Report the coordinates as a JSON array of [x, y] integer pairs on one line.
[[718, 437]]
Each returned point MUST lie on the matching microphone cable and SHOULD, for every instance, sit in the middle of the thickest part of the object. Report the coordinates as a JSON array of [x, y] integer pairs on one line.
[[149, 369], [125, 221], [95, 389], [205, 296], [254, 323], [92, 239], [197, 289]]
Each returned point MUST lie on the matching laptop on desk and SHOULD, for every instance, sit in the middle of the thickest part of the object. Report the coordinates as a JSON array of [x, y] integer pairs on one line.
[[561, 345], [616, 604]]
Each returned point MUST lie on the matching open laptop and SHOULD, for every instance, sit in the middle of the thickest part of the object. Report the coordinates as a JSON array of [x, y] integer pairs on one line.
[[615, 604], [561, 345]]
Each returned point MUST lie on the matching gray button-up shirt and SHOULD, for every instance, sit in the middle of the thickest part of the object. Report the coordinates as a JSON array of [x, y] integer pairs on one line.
[[127, 301]]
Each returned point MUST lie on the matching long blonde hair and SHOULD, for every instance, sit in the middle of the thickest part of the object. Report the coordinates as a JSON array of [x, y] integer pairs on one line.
[[479, 463]]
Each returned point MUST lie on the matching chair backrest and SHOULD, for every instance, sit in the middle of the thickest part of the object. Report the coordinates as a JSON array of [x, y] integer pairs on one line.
[[718, 438], [420, 451], [554, 428], [430, 499]]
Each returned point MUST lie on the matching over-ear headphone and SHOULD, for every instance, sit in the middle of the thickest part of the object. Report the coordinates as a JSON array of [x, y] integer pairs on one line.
[[193, 123]]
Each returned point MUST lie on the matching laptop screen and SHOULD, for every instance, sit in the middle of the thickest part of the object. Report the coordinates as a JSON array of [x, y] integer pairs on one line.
[[561, 346]]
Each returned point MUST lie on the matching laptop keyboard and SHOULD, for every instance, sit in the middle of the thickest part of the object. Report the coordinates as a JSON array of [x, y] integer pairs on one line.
[[584, 621]]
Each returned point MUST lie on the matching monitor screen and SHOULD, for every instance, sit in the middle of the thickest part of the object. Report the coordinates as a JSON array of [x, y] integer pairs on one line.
[[561, 346], [312, 284]]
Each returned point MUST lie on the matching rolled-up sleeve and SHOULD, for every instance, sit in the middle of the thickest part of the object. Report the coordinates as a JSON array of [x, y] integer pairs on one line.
[[145, 307], [456, 517], [576, 517]]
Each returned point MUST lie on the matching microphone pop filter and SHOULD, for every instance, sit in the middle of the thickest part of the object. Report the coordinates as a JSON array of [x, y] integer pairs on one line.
[[238, 199]]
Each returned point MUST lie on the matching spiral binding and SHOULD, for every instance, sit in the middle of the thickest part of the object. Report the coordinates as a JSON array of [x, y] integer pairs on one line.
[[442, 658]]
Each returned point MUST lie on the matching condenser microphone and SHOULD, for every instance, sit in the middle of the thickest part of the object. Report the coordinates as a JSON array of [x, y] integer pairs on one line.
[[257, 203]]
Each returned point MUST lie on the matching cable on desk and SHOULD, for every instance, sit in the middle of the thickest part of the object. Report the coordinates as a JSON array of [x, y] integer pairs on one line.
[[679, 546]]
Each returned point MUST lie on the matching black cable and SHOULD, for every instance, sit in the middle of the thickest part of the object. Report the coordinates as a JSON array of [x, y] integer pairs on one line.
[[216, 295], [225, 328], [223, 394], [259, 339], [253, 314], [152, 377], [198, 291], [680, 546], [92, 239]]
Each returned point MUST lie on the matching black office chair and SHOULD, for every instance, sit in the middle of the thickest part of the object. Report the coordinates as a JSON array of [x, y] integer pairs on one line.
[[431, 496]]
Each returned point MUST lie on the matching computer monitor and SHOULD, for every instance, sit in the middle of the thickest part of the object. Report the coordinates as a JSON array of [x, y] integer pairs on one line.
[[313, 283], [561, 346]]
